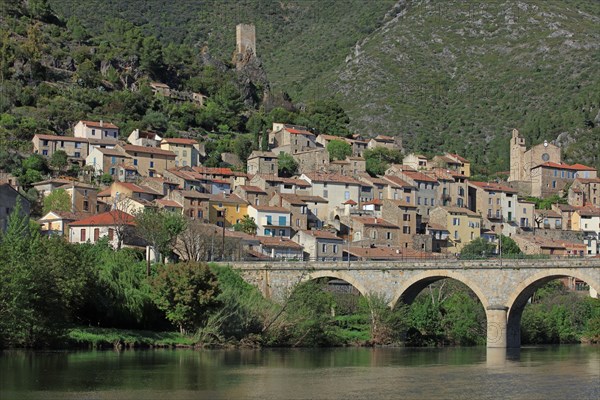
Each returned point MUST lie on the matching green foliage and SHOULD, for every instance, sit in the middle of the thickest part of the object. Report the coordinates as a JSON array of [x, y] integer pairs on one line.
[[242, 146], [379, 159], [478, 248], [546, 203], [328, 117], [59, 160], [159, 228], [338, 150], [187, 293], [559, 316], [58, 200], [106, 179], [387, 325], [246, 225], [287, 166], [509, 246]]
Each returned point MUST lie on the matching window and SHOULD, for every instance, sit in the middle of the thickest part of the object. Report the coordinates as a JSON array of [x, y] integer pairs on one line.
[[135, 161], [111, 233], [267, 232], [77, 154], [406, 230], [553, 184], [151, 164], [282, 232], [282, 221], [335, 248], [456, 235], [200, 214], [86, 205], [82, 235], [77, 145], [113, 160], [96, 234], [185, 153], [346, 195], [44, 152], [44, 143], [490, 200], [297, 221], [112, 171], [325, 193], [269, 219], [324, 248], [150, 174], [373, 234], [455, 221], [510, 203], [62, 143], [408, 199], [406, 217], [418, 201], [498, 201], [426, 201], [388, 235], [93, 132], [432, 202]]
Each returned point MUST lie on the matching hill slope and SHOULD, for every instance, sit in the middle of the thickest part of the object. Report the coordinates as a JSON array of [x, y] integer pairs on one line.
[[454, 74]]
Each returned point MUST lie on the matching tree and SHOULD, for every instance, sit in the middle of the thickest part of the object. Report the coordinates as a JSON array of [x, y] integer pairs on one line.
[[246, 225], [242, 147], [187, 293], [327, 116], [151, 57], [160, 229], [58, 200], [338, 150], [264, 144], [478, 248], [59, 160], [287, 165], [509, 246], [379, 159], [106, 179]]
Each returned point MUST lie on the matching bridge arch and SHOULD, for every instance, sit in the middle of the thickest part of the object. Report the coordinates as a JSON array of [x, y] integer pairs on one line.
[[338, 275], [412, 287], [520, 296]]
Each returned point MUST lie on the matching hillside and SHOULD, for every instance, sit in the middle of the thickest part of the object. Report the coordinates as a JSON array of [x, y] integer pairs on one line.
[[455, 75]]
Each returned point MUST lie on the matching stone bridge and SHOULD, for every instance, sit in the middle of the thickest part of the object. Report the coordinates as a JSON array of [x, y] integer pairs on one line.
[[503, 286]]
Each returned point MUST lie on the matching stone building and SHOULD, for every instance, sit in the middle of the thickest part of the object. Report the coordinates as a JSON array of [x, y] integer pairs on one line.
[[8, 200], [320, 245], [252, 194], [585, 191], [262, 162], [312, 160], [462, 224], [296, 206], [404, 215], [374, 231], [291, 139]]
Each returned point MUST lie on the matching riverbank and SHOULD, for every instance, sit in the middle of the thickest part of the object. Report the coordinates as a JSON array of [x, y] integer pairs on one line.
[[103, 338]]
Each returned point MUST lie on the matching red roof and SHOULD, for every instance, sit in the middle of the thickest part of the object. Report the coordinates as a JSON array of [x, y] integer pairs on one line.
[[459, 158], [102, 124], [575, 167], [299, 131], [372, 221], [351, 202], [169, 203], [252, 189], [492, 186], [137, 188], [106, 219], [418, 176], [180, 141], [331, 178], [214, 171], [322, 234], [62, 138]]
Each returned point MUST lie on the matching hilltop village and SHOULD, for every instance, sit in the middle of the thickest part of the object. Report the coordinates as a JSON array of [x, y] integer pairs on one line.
[[329, 210]]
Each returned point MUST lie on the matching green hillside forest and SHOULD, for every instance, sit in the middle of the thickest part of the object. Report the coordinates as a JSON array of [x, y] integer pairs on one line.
[[446, 76]]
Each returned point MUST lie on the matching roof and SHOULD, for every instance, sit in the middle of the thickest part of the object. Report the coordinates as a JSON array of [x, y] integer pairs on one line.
[[290, 181], [138, 188], [168, 203], [194, 194], [397, 181], [112, 152], [574, 167], [400, 203], [331, 178], [374, 221], [149, 150], [63, 215], [460, 210], [190, 142], [312, 199], [384, 138], [496, 187], [376, 202], [293, 199], [588, 180], [459, 158], [546, 242], [350, 202], [104, 193], [296, 131], [228, 198], [214, 170], [56, 181], [419, 176], [100, 124], [548, 213], [436, 227], [257, 153], [321, 234], [252, 189], [271, 209], [278, 241], [63, 138], [589, 212], [106, 219]]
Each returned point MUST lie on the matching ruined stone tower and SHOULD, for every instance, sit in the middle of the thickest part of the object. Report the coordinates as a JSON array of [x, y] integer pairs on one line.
[[245, 38], [518, 170]]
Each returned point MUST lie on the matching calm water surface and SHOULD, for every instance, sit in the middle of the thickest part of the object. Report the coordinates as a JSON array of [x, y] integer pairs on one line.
[[565, 372]]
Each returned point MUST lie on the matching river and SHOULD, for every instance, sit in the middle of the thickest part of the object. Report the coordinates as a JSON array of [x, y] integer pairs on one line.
[[545, 372]]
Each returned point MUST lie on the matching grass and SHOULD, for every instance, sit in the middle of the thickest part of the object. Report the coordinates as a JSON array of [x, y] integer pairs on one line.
[[127, 338]]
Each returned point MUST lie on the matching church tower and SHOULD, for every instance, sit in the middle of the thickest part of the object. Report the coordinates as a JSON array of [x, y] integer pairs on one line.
[[517, 157]]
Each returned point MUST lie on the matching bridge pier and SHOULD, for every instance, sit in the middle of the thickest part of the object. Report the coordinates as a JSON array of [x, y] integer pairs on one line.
[[496, 326]]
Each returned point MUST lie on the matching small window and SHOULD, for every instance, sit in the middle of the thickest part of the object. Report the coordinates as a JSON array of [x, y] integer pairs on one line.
[[324, 248], [82, 235]]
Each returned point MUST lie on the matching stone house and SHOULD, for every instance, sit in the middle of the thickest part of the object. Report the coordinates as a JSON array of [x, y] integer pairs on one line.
[[271, 220], [262, 162], [351, 166], [226, 209], [185, 178], [404, 215], [144, 138], [398, 189], [530, 244], [150, 161], [96, 130], [587, 220], [317, 213], [57, 222], [252, 194], [296, 206], [187, 151], [159, 185], [279, 247], [320, 245], [552, 178], [453, 162], [547, 219], [390, 142], [462, 224], [107, 161], [416, 162], [587, 191], [312, 160], [108, 224], [274, 184], [425, 193], [374, 231], [337, 189], [84, 197], [291, 138], [193, 203]]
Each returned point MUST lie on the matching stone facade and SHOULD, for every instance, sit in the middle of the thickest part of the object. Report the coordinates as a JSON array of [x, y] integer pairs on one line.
[[262, 162]]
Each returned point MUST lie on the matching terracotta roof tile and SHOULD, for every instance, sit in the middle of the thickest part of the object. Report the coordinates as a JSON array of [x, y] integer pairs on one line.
[[373, 221], [106, 219], [130, 148], [100, 124], [190, 142]]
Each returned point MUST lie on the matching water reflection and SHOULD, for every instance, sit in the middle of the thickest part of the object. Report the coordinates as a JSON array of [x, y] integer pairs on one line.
[[538, 372]]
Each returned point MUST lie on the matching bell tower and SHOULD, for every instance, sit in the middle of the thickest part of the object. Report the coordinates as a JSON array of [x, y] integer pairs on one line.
[[517, 157]]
